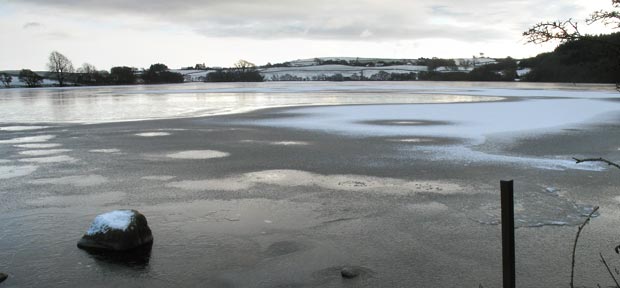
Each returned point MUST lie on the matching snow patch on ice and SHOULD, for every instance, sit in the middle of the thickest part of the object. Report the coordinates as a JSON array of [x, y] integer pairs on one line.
[[97, 199], [78, 180], [427, 207], [198, 154], [22, 128], [43, 152], [7, 172], [290, 143], [411, 140], [38, 145], [152, 134], [51, 159], [112, 150], [466, 154], [279, 143], [114, 220], [226, 184], [159, 177], [29, 139], [292, 178]]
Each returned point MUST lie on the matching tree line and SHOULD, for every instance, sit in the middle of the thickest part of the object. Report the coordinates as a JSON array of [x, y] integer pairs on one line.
[[61, 69]]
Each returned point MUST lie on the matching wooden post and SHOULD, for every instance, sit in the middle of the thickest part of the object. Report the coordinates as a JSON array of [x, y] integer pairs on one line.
[[508, 233]]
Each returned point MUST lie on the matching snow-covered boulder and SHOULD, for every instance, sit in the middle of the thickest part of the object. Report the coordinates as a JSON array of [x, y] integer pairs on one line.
[[118, 230]]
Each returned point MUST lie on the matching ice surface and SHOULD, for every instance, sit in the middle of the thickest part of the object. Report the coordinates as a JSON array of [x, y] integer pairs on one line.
[[126, 103], [114, 220], [29, 139], [7, 172], [198, 154], [78, 180]]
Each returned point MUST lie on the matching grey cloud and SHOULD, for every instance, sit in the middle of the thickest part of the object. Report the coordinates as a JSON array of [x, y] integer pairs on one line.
[[470, 20]]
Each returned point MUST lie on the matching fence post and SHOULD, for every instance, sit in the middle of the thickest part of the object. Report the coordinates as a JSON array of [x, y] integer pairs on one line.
[[508, 233]]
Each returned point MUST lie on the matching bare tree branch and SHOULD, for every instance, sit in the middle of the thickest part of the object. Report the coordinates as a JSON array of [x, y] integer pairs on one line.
[[568, 30], [572, 271], [606, 17], [557, 30], [608, 270], [597, 160]]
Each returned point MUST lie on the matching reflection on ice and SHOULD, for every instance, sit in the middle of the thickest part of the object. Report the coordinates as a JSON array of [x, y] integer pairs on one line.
[[78, 180], [43, 152], [22, 128], [16, 171], [51, 159], [38, 145], [292, 178], [467, 155], [30, 139], [536, 209], [152, 134]]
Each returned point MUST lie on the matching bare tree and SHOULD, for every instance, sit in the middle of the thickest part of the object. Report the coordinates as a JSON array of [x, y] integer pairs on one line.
[[60, 66], [6, 79], [29, 77], [244, 65], [568, 30], [87, 74], [87, 68]]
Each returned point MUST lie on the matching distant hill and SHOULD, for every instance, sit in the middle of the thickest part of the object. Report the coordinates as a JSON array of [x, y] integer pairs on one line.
[[592, 59]]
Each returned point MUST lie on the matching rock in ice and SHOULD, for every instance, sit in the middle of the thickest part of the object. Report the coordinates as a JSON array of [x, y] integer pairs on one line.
[[118, 230]]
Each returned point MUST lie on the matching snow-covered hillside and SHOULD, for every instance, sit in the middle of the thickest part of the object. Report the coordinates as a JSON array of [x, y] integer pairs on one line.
[[322, 71]]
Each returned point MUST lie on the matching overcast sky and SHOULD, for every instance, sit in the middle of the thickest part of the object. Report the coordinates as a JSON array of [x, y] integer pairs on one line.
[[179, 33]]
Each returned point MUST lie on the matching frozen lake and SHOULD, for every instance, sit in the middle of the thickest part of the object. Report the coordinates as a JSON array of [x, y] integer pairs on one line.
[[404, 186]]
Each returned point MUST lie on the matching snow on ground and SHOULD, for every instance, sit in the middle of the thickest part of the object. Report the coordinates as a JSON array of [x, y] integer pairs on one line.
[[116, 220]]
